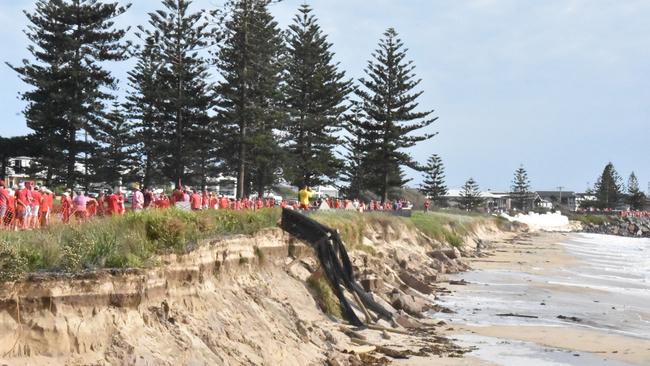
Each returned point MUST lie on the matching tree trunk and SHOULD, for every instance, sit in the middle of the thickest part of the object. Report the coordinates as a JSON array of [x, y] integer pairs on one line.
[[147, 172], [384, 187], [241, 176], [72, 154]]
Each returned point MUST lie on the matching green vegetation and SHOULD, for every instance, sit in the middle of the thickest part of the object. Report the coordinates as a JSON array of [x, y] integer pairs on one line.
[[447, 227], [351, 225], [134, 240], [129, 241], [592, 219], [324, 295]]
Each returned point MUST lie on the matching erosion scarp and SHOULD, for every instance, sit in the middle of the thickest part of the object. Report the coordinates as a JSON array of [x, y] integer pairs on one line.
[[239, 300]]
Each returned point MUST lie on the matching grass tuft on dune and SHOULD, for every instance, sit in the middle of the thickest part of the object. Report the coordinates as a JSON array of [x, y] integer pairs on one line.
[[129, 241]]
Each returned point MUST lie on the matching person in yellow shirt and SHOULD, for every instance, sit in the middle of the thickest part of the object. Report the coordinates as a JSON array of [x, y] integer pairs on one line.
[[304, 195]]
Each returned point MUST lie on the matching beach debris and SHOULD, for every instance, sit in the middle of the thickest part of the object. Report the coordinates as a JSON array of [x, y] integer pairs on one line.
[[461, 282], [368, 359], [570, 318], [519, 315], [412, 282], [390, 352], [334, 260]]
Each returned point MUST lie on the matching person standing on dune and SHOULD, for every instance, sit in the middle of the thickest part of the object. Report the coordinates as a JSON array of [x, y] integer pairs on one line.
[[304, 195]]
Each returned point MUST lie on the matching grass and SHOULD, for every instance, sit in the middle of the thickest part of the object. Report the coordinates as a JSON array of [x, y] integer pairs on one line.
[[447, 227], [351, 225], [592, 219], [130, 241], [136, 239], [324, 295]]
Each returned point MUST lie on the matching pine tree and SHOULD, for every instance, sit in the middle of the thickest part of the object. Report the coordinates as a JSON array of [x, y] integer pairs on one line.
[[70, 41], [389, 100], [635, 197], [470, 196], [188, 133], [114, 161], [608, 188], [314, 93], [144, 105], [434, 182], [521, 188], [353, 173], [250, 64]]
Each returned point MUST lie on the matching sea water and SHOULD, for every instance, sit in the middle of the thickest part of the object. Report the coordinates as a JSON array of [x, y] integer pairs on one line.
[[607, 289]]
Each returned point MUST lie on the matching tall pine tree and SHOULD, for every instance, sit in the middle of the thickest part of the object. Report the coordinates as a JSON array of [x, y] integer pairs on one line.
[[249, 61], [188, 133], [353, 174], [433, 185], [144, 108], [70, 42], [608, 187], [521, 188], [635, 197], [389, 100], [314, 92], [470, 196], [114, 161]]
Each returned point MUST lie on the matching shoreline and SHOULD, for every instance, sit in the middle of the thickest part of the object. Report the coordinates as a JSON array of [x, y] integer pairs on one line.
[[535, 256]]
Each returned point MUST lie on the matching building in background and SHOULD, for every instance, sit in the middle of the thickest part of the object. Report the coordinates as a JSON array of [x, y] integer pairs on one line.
[[18, 171]]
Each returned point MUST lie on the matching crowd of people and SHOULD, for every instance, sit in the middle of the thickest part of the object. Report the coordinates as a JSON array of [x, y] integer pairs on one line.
[[31, 206]]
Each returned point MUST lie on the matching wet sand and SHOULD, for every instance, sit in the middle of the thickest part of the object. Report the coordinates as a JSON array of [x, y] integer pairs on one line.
[[543, 279]]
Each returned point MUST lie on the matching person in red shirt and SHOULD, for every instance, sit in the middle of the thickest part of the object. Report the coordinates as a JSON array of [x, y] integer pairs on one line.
[[91, 207], [195, 201], [36, 207], [177, 196], [10, 216], [149, 198], [101, 204], [23, 206], [214, 201], [205, 198], [46, 206], [66, 207], [120, 201], [4, 202], [112, 205], [426, 205], [224, 203], [162, 201]]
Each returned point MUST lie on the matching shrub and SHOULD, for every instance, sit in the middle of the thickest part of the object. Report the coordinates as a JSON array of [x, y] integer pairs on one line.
[[446, 227], [324, 295], [129, 241], [12, 265]]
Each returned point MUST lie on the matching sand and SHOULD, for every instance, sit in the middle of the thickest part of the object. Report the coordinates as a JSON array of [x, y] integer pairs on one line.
[[542, 255]]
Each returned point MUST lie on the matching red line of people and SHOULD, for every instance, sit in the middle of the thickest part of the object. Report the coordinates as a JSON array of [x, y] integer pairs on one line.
[[27, 207], [30, 207]]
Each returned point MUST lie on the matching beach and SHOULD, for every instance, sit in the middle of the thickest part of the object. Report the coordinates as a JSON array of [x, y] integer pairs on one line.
[[552, 299]]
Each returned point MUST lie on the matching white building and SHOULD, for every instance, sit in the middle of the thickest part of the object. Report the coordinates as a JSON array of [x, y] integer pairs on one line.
[[493, 201], [17, 171]]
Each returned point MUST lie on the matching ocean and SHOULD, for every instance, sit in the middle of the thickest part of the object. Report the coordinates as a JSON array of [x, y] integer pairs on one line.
[[605, 289]]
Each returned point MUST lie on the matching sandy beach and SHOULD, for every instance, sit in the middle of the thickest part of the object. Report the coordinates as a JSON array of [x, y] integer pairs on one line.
[[541, 299]]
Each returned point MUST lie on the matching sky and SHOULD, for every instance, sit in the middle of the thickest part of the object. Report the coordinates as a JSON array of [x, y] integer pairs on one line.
[[560, 86]]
